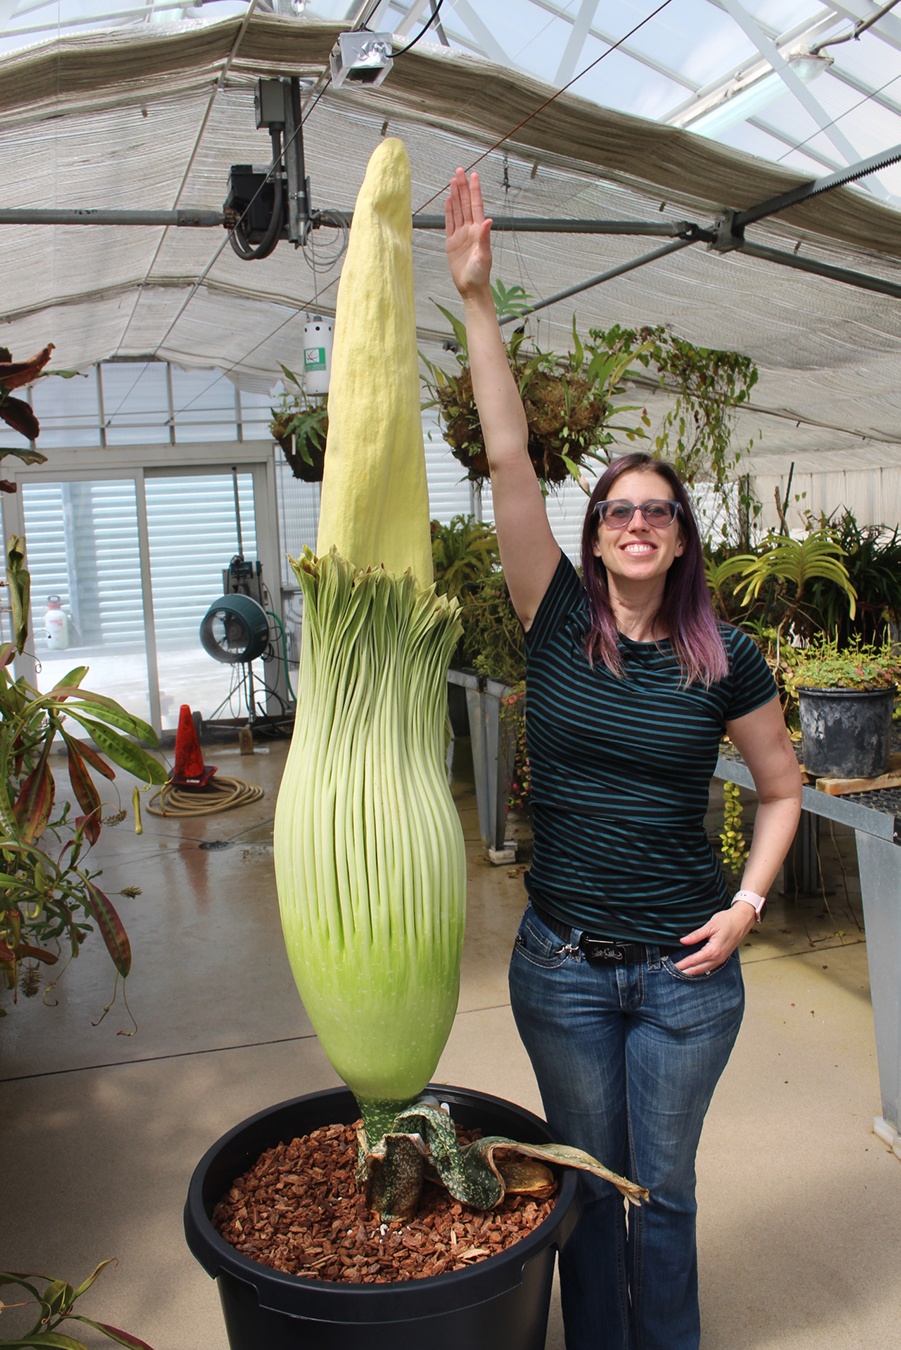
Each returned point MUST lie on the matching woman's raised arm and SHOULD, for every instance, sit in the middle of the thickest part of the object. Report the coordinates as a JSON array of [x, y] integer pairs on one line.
[[529, 552]]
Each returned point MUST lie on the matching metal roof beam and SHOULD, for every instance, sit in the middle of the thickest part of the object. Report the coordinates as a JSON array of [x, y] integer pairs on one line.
[[818, 185], [820, 269]]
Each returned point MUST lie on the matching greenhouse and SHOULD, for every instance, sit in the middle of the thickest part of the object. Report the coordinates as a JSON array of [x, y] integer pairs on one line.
[[696, 254]]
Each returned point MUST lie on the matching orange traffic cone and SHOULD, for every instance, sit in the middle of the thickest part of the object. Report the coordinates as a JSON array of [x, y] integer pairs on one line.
[[190, 770]]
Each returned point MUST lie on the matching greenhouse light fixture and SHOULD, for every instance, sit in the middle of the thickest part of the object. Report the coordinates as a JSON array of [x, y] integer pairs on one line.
[[361, 58]]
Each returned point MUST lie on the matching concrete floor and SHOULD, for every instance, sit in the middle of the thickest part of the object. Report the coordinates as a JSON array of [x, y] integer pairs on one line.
[[100, 1129]]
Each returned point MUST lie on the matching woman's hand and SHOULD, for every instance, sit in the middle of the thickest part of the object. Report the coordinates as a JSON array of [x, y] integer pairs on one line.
[[467, 234], [725, 931]]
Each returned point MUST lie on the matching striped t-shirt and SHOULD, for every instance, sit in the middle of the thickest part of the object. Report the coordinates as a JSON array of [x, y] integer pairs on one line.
[[620, 774]]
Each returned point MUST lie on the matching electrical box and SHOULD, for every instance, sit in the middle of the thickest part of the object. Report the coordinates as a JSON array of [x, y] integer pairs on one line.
[[269, 103], [244, 576]]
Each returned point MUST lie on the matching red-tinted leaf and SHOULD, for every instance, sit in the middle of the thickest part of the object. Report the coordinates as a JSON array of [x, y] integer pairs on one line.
[[112, 928], [7, 486], [35, 802], [90, 827], [116, 1334], [15, 374], [29, 953], [19, 415], [86, 794], [90, 754]]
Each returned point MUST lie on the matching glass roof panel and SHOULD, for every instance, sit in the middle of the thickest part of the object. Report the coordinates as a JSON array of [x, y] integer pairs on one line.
[[679, 51], [693, 38]]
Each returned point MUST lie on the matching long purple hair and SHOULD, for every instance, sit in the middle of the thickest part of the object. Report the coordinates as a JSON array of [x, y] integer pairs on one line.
[[686, 611]]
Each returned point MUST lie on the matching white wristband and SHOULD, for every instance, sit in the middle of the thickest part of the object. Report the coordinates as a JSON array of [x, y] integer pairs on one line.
[[757, 902]]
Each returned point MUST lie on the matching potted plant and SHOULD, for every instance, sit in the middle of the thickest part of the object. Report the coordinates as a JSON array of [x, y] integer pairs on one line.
[[49, 897], [369, 853], [846, 696], [569, 400], [300, 426]]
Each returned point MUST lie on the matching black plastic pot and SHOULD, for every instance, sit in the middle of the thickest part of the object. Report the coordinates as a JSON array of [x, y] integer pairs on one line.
[[846, 733], [497, 1304]]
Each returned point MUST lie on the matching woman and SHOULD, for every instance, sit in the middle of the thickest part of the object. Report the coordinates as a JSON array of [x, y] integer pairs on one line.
[[625, 979]]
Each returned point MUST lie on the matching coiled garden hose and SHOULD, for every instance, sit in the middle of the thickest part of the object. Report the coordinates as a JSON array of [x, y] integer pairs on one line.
[[220, 794]]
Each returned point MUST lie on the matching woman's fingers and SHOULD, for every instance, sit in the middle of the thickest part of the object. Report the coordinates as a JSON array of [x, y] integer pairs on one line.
[[477, 209], [464, 204]]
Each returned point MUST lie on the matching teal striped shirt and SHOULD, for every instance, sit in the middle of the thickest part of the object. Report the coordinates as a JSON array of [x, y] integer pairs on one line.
[[620, 774]]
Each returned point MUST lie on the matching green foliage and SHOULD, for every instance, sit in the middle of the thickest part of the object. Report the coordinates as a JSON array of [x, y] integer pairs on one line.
[[463, 552], [569, 400], [513, 715], [54, 1306], [697, 433], [49, 898], [467, 568], [826, 664], [300, 425], [872, 557], [493, 641], [576, 419], [772, 586], [734, 848]]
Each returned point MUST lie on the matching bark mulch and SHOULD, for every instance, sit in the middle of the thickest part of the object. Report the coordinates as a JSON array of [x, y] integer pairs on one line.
[[300, 1209]]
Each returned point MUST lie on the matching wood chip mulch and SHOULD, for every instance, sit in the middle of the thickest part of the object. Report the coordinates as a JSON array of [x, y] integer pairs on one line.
[[299, 1209]]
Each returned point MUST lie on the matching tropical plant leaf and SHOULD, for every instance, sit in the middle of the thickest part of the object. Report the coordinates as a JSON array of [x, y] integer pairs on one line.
[[123, 752], [88, 753], [45, 1340], [86, 793], [18, 414], [115, 1334], [35, 800], [98, 705], [458, 327], [18, 374], [111, 927], [69, 684]]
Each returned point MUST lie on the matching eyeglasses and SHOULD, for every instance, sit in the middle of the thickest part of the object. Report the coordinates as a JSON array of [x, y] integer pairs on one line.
[[617, 514]]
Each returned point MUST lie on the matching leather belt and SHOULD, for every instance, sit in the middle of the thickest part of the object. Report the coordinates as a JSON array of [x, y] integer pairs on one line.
[[600, 948]]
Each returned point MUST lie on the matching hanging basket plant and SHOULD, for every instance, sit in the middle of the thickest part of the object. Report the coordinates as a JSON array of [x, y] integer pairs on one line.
[[300, 427], [569, 400]]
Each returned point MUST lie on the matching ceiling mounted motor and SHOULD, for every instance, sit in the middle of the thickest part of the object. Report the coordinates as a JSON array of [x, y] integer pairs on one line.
[[235, 629]]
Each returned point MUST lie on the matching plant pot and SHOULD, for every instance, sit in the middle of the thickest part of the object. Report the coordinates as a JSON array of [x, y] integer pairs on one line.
[[846, 733], [502, 1301], [308, 473]]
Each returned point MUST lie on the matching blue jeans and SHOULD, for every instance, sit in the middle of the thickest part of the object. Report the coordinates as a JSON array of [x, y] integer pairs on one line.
[[627, 1058]]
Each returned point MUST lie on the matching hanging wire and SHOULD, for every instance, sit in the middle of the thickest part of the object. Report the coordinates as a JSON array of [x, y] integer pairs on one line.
[[324, 86], [556, 94], [436, 10], [867, 98]]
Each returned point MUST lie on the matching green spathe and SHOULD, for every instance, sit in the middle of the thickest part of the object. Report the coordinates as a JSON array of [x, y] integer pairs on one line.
[[369, 854]]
